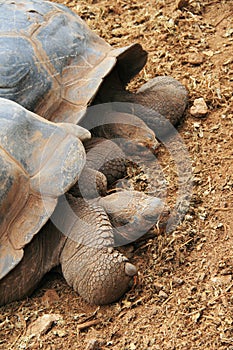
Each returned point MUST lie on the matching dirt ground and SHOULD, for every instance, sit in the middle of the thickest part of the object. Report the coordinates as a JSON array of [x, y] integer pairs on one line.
[[183, 298]]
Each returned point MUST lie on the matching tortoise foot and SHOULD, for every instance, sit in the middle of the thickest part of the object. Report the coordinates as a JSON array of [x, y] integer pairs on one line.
[[100, 276]]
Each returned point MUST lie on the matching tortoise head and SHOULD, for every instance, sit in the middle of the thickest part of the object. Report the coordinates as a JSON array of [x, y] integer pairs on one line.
[[132, 214]]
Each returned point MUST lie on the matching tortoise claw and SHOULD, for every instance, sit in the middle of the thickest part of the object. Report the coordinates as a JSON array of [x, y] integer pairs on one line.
[[130, 269]]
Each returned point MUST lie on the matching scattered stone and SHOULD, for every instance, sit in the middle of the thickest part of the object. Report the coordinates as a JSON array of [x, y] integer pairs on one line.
[[176, 281], [42, 325], [162, 294], [208, 53], [158, 286], [199, 108], [195, 58], [132, 346], [92, 344], [221, 280], [60, 333]]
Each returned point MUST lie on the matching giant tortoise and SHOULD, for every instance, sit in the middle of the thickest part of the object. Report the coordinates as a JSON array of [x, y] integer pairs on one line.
[[40, 161], [53, 66]]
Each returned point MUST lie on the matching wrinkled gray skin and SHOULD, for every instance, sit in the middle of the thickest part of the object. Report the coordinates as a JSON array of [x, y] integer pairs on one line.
[[89, 262]]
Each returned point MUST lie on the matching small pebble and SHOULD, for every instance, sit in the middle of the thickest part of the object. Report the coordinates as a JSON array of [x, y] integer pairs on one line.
[[221, 280], [194, 58], [42, 325], [177, 281], [92, 344], [162, 294], [199, 108], [60, 333]]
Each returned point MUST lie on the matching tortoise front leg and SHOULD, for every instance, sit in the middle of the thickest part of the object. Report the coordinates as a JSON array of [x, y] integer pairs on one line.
[[90, 265], [100, 275]]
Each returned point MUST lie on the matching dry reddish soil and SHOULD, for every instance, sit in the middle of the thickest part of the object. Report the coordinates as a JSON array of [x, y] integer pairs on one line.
[[183, 298]]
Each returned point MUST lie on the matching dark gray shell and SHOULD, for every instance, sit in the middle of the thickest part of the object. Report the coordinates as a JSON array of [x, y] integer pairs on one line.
[[52, 63], [39, 161]]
